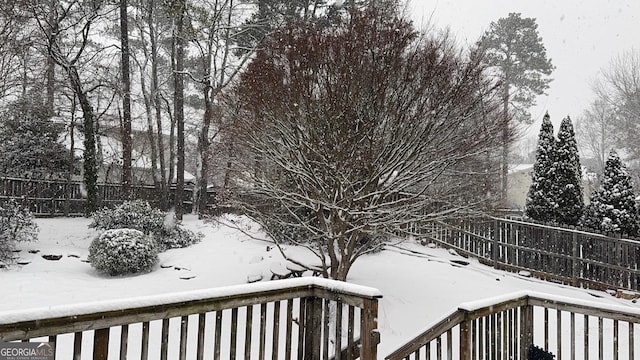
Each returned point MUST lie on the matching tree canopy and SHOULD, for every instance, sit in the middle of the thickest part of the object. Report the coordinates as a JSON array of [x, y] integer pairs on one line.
[[359, 130]]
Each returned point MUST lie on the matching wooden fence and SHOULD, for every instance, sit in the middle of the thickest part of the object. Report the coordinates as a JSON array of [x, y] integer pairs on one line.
[[304, 318], [506, 328], [553, 253], [58, 198]]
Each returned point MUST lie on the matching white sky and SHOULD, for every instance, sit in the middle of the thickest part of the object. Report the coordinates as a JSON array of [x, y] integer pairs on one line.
[[581, 37]]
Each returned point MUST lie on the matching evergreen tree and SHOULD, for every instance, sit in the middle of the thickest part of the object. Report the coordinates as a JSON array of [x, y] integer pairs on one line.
[[612, 207], [541, 203], [515, 50], [30, 142], [568, 175]]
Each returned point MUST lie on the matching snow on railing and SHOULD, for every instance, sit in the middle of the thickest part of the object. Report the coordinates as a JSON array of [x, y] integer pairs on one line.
[[310, 317], [506, 327]]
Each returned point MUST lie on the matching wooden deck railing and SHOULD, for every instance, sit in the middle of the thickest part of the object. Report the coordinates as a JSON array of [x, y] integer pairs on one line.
[[505, 328], [305, 318], [572, 256]]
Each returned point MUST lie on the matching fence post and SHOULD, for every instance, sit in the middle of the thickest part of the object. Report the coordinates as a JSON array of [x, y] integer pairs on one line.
[[496, 237], [369, 335], [526, 330], [574, 259]]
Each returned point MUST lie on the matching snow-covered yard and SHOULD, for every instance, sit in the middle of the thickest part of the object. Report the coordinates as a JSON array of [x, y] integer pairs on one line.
[[419, 284]]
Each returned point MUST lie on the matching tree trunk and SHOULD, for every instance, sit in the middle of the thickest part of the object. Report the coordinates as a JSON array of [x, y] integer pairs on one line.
[[157, 101], [200, 190], [72, 125], [89, 165], [51, 63], [126, 101], [505, 145], [178, 108]]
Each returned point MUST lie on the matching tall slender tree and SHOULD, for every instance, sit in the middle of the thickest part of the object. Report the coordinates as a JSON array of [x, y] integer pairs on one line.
[[126, 99], [541, 203], [179, 9], [612, 207], [517, 54], [568, 176]]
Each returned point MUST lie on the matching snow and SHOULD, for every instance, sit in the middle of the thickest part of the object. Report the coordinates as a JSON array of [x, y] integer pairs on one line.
[[419, 284]]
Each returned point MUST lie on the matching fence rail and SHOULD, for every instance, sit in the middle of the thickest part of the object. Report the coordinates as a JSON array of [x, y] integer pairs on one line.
[[58, 197], [306, 318], [507, 327], [553, 253]]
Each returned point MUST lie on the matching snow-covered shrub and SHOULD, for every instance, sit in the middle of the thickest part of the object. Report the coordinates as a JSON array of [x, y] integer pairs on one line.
[[612, 206], [136, 214], [16, 224], [123, 251], [162, 226], [177, 237]]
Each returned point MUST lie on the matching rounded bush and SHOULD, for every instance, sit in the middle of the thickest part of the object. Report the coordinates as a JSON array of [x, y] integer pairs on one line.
[[123, 251], [177, 237], [136, 214]]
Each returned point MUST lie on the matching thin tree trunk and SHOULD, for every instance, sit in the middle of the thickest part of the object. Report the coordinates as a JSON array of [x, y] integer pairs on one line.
[[155, 91], [505, 145], [51, 64], [147, 105], [72, 125], [179, 108], [126, 101]]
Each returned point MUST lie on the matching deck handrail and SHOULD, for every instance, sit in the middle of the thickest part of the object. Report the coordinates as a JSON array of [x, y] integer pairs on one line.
[[506, 325], [303, 303]]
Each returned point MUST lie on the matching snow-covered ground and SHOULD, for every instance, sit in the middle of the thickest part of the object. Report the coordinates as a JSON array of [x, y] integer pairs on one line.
[[419, 284]]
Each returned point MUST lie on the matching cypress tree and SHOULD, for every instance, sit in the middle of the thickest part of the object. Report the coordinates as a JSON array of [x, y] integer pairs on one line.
[[541, 203], [568, 175], [612, 207]]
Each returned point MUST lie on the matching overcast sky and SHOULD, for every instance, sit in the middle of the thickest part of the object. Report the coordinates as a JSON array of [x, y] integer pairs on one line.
[[581, 37]]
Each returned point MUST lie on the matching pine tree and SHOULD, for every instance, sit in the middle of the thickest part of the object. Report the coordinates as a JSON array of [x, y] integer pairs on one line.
[[612, 207], [568, 175], [541, 204]]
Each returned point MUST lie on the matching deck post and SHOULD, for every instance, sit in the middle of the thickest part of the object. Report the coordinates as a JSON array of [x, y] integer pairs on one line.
[[465, 339], [369, 335], [312, 328], [526, 330]]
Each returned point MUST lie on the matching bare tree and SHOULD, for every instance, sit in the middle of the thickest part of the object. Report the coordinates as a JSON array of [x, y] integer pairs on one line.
[[596, 132], [619, 88], [359, 131]]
